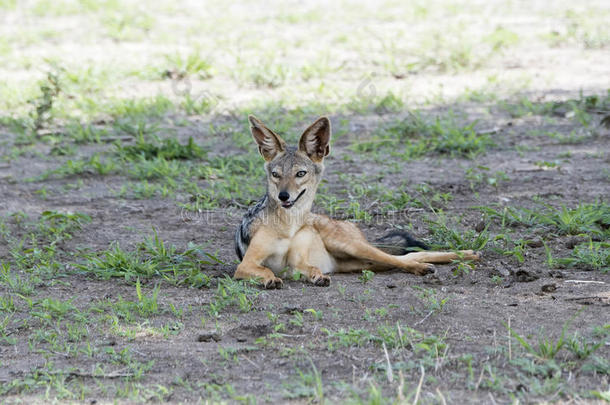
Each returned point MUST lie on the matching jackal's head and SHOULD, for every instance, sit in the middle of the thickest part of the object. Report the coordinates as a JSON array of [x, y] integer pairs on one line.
[[293, 174]]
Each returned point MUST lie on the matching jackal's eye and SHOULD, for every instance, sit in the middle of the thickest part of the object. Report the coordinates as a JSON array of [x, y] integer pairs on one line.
[[301, 173], [275, 174]]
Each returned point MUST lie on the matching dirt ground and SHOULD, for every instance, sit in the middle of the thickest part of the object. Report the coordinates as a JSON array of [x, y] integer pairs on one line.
[[506, 329]]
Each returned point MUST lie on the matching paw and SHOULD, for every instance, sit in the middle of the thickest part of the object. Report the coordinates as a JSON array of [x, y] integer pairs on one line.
[[421, 269], [274, 282], [320, 280], [470, 254]]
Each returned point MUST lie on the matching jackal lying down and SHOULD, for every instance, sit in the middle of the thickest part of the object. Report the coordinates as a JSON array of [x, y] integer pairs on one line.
[[280, 231]]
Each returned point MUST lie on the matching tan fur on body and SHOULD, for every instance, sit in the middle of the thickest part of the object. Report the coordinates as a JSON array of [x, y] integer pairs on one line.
[[282, 232]]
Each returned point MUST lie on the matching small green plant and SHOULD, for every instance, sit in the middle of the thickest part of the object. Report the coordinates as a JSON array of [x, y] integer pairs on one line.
[[355, 212], [230, 292], [198, 105], [169, 149], [16, 283], [57, 226], [502, 38], [509, 216], [50, 88], [417, 136], [389, 103], [462, 268], [49, 309], [497, 279], [152, 258], [432, 302], [524, 107], [445, 236], [603, 395], [593, 255], [297, 319], [147, 305], [581, 347], [81, 134], [275, 320], [585, 218], [266, 73], [191, 64], [366, 276], [481, 175], [546, 348], [506, 245], [317, 314], [308, 385]]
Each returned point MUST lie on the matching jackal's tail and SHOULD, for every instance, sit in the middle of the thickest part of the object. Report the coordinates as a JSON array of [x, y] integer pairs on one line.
[[399, 243]]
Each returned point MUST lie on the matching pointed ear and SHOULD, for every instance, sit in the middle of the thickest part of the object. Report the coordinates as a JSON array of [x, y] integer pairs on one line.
[[315, 141], [269, 143]]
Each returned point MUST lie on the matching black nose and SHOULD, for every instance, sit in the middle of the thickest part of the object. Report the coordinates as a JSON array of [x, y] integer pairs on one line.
[[283, 196]]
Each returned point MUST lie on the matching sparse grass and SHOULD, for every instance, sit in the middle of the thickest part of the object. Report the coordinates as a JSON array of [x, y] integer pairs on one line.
[[366, 276], [481, 175], [591, 218], [592, 255], [511, 247], [190, 64], [574, 137], [415, 136], [35, 247], [445, 236], [393, 336], [307, 385], [581, 29], [586, 218], [546, 349], [549, 357], [579, 109], [430, 298], [128, 24], [230, 292], [451, 50], [266, 73], [168, 149], [152, 258]]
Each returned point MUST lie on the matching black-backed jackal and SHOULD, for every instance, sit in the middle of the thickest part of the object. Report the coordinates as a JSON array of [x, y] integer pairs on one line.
[[281, 232]]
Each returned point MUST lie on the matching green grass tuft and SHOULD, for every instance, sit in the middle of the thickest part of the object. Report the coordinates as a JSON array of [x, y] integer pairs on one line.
[[415, 136]]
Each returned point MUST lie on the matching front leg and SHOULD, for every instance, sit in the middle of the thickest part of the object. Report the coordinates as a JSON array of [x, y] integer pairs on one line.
[[247, 271], [251, 266], [308, 255], [314, 275]]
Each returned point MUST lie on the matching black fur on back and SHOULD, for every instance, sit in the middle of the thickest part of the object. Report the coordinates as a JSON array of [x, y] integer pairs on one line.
[[242, 233], [399, 243]]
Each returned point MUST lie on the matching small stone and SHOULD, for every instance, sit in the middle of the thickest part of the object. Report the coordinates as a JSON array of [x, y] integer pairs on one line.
[[548, 288], [535, 243], [290, 309], [504, 272], [208, 337], [525, 276], [575, 240]]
